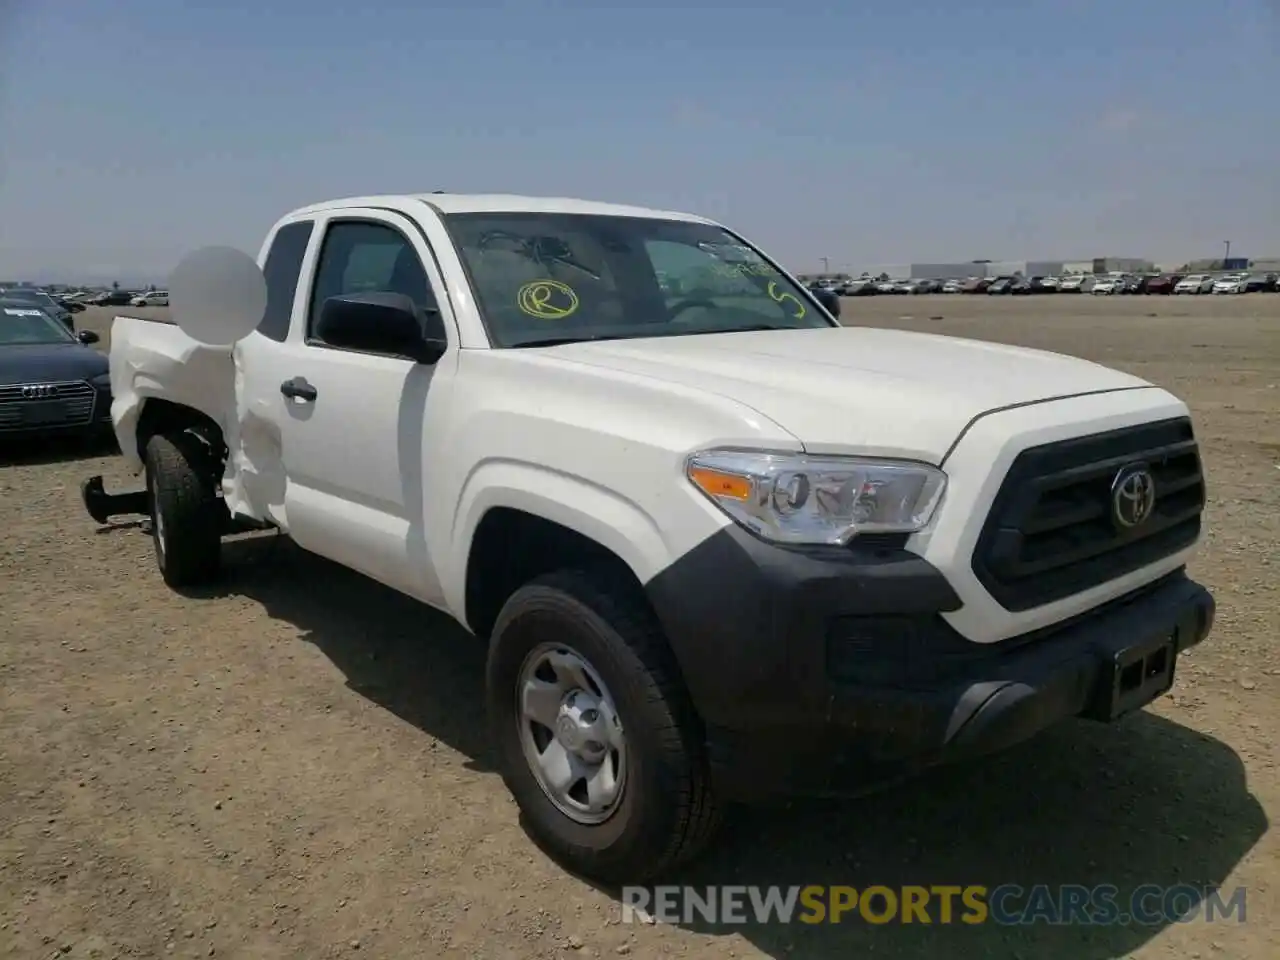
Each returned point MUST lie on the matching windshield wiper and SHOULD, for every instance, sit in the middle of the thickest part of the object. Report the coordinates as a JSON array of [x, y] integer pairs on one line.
[[754, 328], [559, 341]]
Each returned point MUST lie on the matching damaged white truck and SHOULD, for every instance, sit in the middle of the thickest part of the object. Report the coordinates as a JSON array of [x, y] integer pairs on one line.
[[720, 547]]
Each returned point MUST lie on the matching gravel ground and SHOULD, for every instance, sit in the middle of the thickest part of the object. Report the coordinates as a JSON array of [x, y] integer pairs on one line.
[[269, 771]]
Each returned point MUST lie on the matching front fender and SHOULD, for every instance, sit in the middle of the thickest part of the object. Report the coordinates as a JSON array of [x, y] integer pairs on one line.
[[600, 514], [126, 410]]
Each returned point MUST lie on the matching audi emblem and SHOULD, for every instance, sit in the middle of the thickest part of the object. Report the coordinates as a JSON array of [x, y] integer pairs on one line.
[[39, 391]]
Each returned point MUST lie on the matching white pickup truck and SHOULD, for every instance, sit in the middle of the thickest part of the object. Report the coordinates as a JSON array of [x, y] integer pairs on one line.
[[720, 547]]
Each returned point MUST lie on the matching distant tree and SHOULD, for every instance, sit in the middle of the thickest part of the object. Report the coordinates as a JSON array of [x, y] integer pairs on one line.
[[115, 284]]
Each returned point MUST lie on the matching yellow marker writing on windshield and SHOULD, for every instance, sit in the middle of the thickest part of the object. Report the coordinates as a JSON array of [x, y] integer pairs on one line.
[[781, 296], [547, 299]]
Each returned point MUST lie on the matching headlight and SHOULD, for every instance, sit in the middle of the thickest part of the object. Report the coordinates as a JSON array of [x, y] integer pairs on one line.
[[793, 498], [102, 381]]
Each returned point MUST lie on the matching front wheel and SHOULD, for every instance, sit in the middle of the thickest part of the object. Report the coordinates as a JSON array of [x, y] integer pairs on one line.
[[595, 735], [186, 514]]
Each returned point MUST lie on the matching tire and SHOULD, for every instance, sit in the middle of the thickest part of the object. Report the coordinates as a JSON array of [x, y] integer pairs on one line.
[[186, 514], [666, 813]]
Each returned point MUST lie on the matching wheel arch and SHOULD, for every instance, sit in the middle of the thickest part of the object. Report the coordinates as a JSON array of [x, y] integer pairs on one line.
[[564, 514], [511, 546], [160, 416]]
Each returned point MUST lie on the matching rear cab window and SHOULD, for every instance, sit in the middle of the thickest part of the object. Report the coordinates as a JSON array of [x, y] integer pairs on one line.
[[281, 271]]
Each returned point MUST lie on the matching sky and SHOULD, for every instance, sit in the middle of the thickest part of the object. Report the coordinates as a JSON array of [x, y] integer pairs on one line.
[[133, 131]]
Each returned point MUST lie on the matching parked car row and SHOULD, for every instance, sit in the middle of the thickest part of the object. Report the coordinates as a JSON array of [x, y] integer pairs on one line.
[[130, 298], [66, 303], [996, 286], [1109, 284], [1247, 283], [1190, 284]]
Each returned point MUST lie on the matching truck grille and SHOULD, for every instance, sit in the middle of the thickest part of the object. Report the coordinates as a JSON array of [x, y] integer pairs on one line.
[[35, 406], [1051, 532]]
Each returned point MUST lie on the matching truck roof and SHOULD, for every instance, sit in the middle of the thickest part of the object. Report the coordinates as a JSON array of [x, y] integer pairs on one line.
[[447, 203]]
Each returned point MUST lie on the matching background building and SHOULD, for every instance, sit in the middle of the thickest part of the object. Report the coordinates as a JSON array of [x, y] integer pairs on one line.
[[1122, 265], [894, 271], [946, 271], [1024, 268], [961, 270]]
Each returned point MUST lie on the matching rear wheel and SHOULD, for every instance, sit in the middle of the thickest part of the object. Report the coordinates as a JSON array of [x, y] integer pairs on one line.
[[186, 514], [596, 738]]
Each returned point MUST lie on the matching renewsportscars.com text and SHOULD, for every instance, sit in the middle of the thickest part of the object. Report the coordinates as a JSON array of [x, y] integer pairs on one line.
[[1005, 905]]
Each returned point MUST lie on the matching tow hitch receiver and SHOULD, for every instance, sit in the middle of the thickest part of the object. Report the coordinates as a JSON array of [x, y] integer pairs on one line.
[[1136, 676], [102, 506]]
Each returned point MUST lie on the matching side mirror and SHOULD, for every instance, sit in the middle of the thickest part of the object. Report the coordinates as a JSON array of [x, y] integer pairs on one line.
[[829, 299], [383, 323], [87, 337]]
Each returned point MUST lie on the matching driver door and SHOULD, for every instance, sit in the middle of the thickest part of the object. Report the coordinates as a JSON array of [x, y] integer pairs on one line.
[[352, 423]]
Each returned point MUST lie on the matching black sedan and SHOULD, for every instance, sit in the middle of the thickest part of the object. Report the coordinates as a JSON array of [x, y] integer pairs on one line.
[[51, 381], [69, 303]]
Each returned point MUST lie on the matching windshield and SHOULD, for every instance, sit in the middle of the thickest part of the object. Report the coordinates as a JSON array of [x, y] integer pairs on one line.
[[544, 278], [32, 296], [24, 324]]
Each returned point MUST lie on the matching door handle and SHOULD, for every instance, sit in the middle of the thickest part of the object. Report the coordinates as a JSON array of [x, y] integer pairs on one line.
[[298, 389]]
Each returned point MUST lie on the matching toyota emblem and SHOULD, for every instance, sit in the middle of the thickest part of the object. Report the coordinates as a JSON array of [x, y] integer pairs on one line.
[[39, 391], [1133, 497]]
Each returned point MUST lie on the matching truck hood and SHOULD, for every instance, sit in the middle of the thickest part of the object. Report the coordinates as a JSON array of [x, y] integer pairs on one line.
[[857, 389]]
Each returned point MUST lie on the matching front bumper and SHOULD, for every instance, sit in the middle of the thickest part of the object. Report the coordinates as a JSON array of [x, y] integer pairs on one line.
[[825, 672]]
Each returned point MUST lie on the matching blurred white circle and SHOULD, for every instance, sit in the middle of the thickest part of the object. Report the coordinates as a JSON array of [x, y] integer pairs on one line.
[[217, 295]]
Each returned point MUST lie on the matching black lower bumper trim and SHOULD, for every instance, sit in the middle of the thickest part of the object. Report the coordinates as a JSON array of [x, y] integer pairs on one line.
[[830, 670], [1098, 667]]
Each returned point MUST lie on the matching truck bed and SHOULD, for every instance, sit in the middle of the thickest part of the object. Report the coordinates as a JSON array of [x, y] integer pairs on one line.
[[153, 359]]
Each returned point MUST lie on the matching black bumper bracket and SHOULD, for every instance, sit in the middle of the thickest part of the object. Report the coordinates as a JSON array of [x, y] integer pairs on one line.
[[102, 506]]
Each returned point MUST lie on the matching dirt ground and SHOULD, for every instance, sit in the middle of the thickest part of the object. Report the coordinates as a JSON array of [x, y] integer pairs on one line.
[[295, 765]]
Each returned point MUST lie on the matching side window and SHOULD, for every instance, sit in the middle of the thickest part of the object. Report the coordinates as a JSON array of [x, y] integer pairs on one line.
[[284, 262], [365, 257]]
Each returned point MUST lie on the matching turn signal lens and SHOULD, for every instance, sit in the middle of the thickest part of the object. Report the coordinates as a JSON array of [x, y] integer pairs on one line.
[[717, 484]]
